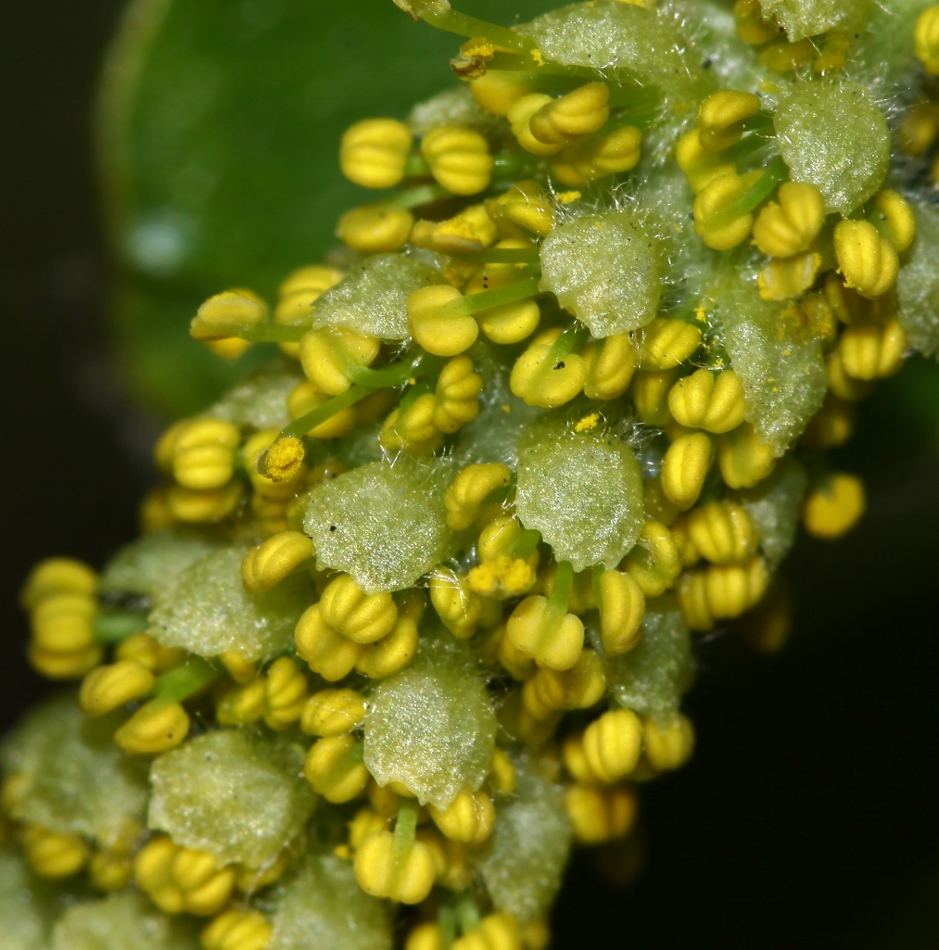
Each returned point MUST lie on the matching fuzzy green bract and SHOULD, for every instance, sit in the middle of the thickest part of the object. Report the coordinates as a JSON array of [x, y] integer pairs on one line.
[[523, 863], [833, 135], [207, 611], [606, 269], [27, 906], [233, 793], [918, 284], [804, 18], [259, 401], [652, 677], [75, 778], [126, 921], [778, 360], [321, 901], [582, 491], [775, 506], [147, 565], [372, 297], [383, 523], [432, 726]]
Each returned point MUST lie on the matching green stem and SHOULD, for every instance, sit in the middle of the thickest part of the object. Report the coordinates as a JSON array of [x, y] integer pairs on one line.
[[446, 922], [115, 626], [271, 333], [526, 543], [442, 16], [774, 173], [503, 255], [467, 913], [183, 681], [497, 297], [419, 194], [560, 593], [405, 829]]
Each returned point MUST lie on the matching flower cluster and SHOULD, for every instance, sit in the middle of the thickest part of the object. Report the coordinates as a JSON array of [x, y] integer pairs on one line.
[[413, 607]]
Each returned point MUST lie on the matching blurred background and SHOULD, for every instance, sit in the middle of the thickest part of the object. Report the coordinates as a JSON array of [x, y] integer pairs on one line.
[[809, 813]]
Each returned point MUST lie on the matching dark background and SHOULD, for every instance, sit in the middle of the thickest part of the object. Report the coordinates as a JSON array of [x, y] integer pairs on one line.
[[810, 813]]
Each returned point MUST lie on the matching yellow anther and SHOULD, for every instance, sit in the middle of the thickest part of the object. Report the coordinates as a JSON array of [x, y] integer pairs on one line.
[[503, 577], [283, 461], [497, 90], [266, 565], [242, 705], [707, 400], [835, 507], [926, 39], [832, 425], [717, 216], [868, 351], [203, 454], [458, 158], [690, 555], [784, 57], [237, 929], [327, 652], [610, 364], [424, 937], [919, 128], [700, 166], [743, 459], [669, 741], [502, 777], [657, 506], [499, 537], [840, 383], [413, 429], [612, 744], [391, 653], [622, 606], [495, 932], [61, 623], [334, 768], [750, 24], [783, 278], [329, 356], [237, 667], [57, 575], [470, 818], [226, 314], [252, 879], [789, 226], [375, 229], [692, 598], [64, 666], [333, 712], [520, 115], [471, 487], [153, 869], [54, 855], [867, 261], [666, 343], [541, 379], [655, 561], [110, 872], [440, 332], [551, 640], [580, 112], [456, 399], [360, 617], [458, 607], [374, 152], [205, 887], [510, 323], [107, 687], [195, 506], [155, 727], [650, 395], [525, 205], [597, 156], [404, 875], [895, 215], [466, 233], [722, 532], [834, 52], [143, 649], [284, 693], [599, 815], [297, 295], [369, 820], [732, 589], [721, 116], [580, 687], [685, 468]]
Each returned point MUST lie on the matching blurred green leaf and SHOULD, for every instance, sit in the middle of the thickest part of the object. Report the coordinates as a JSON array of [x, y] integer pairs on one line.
[[219, 129]]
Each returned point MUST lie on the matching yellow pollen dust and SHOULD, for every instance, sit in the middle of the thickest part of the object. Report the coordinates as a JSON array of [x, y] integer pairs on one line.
[[700, 314], [587, 423], [283, 459], [537, 57], [503, 577], [566, 197]]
